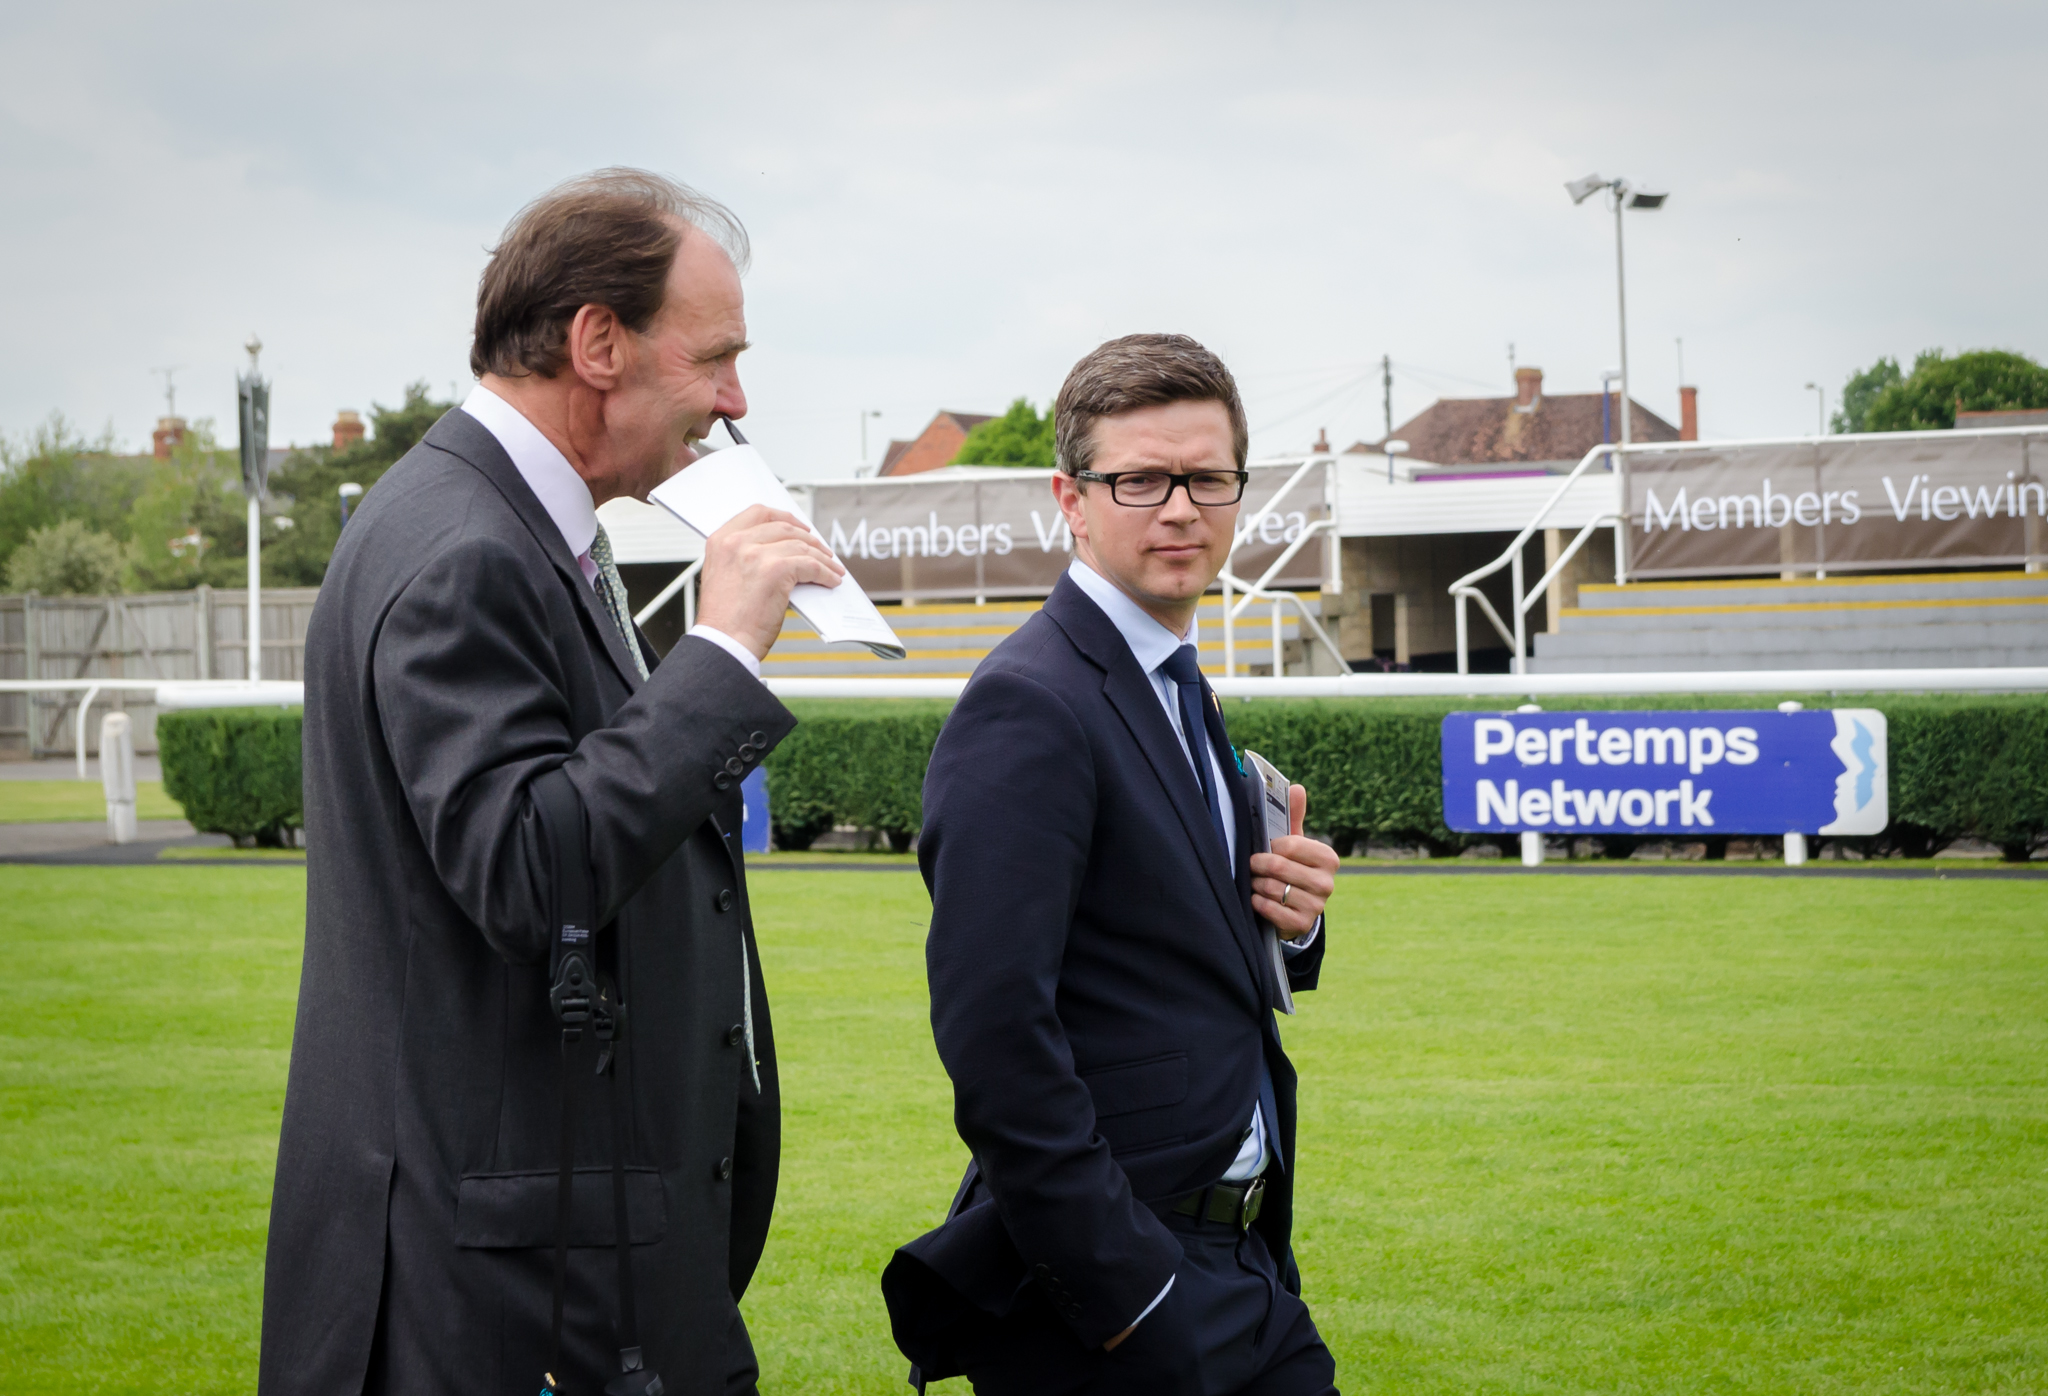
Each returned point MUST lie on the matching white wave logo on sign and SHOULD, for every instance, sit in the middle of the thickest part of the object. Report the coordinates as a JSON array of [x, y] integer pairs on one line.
[[1862, 792]]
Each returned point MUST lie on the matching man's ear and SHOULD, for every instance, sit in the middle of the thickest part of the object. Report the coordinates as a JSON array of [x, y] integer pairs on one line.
[[1066, 492], [598, 351]]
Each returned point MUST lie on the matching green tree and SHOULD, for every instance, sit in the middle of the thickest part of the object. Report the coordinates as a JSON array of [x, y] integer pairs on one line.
[[1863, 389], [57, 473], [1019, 437], [1929, 397], [68, 559], [307, 486]]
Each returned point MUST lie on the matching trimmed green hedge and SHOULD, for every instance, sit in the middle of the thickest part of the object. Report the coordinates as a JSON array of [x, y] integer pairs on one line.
[[235, 770], [1961, 766]]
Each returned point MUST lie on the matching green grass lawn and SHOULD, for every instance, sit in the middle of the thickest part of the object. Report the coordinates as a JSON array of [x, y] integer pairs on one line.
[[65, 801], [1624, 1134]]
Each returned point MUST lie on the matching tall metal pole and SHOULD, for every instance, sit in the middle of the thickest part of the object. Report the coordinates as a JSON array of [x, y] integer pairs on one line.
[[254, 624], [1621, 303]]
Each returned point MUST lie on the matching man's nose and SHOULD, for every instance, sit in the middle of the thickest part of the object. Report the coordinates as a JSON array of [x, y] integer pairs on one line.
[[1179, 508], [732, 398]]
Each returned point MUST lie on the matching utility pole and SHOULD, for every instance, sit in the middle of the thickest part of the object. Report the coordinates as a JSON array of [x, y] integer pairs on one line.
[[1387, 391]]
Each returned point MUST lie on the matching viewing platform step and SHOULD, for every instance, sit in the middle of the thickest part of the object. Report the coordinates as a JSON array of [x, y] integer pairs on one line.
[[947, 640], [1952, 620]]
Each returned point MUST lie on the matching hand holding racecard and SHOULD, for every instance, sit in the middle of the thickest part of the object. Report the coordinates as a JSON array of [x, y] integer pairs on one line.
[[1269, 791], [708, 493]]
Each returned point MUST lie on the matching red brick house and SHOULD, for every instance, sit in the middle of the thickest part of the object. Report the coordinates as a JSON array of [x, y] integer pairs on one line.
[[933, 447]]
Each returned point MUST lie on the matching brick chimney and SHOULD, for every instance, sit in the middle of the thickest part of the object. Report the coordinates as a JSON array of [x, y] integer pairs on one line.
[[348, 429], [1528, 387], [1688, 414], [1322, 446], [169, 434]]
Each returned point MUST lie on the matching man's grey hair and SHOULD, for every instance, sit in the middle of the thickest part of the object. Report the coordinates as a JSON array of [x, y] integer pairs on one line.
[[605, 238]]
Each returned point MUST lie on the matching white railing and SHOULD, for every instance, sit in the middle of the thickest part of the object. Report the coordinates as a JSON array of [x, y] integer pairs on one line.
[[1467, 587], [1258, 590], [667, 594], [1516, 686], [168, 694]]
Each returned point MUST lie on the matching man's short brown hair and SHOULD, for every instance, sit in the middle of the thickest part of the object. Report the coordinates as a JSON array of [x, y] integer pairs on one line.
[[1140, 370], [606, 238]]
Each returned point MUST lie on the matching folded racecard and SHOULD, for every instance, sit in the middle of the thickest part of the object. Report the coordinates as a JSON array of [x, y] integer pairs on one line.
[[708, 493]]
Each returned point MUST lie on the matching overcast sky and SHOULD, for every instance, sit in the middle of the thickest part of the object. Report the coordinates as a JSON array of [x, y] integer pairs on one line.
[[950, 204]]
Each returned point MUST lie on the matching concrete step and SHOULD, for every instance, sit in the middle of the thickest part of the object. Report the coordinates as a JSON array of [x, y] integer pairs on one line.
[[1640, 663], [1788, 639], [1861, 591], [1876, 618], [948, 641]]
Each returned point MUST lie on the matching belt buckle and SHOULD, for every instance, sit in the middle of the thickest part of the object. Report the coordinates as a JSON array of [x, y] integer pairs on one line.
[[1248, 1210]]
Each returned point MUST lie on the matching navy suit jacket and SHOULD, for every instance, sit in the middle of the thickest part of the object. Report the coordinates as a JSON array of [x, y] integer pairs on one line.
[[1100, 991]]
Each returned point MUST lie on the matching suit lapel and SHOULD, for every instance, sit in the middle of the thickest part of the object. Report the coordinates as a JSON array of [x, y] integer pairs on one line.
[[1128, 691], [467, 439]]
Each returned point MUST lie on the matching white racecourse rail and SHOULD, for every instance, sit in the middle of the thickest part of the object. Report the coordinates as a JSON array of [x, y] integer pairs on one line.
[[220, 693]]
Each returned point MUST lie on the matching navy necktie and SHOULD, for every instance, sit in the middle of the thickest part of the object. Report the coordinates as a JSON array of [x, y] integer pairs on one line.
[[1181, 667]]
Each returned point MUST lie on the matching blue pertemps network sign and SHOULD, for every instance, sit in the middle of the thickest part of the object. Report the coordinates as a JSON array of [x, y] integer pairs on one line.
[[1820, 772]]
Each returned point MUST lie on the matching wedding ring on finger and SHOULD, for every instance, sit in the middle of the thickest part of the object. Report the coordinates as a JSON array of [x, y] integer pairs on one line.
[[1286, 894]]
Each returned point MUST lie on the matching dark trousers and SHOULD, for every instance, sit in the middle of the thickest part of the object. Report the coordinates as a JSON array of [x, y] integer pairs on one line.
[[1227, 1328]]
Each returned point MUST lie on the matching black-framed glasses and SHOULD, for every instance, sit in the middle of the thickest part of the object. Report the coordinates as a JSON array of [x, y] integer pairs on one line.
[[1148, 489]]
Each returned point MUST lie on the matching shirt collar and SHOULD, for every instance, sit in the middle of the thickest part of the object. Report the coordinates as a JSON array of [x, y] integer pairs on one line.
[[547, 471], [1152, 644]]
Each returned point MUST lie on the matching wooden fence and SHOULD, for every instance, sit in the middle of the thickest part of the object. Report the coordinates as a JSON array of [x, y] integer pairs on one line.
[[197, 634]]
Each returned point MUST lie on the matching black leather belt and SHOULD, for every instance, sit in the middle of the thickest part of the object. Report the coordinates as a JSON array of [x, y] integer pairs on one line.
[[1226, 1204]]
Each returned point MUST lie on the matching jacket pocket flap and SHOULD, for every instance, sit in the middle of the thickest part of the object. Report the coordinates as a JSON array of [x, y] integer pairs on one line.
[[514, 1211], [1146, 1085]]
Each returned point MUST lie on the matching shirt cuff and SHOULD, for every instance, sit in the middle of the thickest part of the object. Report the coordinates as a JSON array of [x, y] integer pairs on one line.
[[1155, 1301], [1295, 947], [730, 646]]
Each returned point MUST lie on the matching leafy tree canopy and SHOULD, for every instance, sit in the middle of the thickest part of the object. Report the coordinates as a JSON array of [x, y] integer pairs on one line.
[[1019, 437], [311, 480], [1928, 398], [184, 521], [68, 559], [1861, 390]]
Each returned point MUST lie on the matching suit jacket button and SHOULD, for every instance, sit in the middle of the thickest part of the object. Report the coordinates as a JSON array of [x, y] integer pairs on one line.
[[735, 1035], [1043, 1271], [735, 767], [724, 1169], [759, 740], [722, 781], [725, 899], [747, 751]]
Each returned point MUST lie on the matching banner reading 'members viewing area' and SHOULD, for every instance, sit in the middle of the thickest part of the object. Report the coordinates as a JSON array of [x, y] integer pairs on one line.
[[1001, 534], [1852, 503]]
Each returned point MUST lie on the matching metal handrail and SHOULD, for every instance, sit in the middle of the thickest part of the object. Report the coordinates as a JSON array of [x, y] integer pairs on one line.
[[1466, 586], [1257, 591], [667, 593]]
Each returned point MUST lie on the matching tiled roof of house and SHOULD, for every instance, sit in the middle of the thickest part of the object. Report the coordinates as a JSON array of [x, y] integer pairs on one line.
[[1477, 431], [935, 446]]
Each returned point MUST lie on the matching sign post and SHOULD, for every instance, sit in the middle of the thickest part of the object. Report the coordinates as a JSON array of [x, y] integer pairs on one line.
[[252, 396], [1672, 772]]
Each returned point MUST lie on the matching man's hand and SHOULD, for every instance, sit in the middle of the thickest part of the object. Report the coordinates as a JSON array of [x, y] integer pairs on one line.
[[1307, 867], [750, 567]]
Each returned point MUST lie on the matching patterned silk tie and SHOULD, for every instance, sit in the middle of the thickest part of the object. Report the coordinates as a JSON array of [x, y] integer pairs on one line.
[[1185, 670], [611, 590]]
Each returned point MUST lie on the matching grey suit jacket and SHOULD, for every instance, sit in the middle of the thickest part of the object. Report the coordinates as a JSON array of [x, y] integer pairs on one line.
[[455, 654]]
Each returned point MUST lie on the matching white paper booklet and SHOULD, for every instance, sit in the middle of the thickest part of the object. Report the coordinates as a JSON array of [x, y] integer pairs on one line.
[[707, 493]]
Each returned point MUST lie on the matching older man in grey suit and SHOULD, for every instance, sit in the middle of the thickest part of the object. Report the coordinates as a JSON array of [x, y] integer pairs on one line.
[[475, 687]]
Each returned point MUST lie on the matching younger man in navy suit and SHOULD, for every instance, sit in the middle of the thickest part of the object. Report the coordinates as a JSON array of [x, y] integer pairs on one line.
[[1101, 993]]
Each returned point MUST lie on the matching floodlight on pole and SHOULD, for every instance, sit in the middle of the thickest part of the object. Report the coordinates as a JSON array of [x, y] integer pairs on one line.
[[865, 413], [1820, 420], [1624, 197]]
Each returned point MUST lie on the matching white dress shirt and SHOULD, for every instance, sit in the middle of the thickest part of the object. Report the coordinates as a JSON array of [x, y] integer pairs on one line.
[[1152, 644], [565, 496]]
